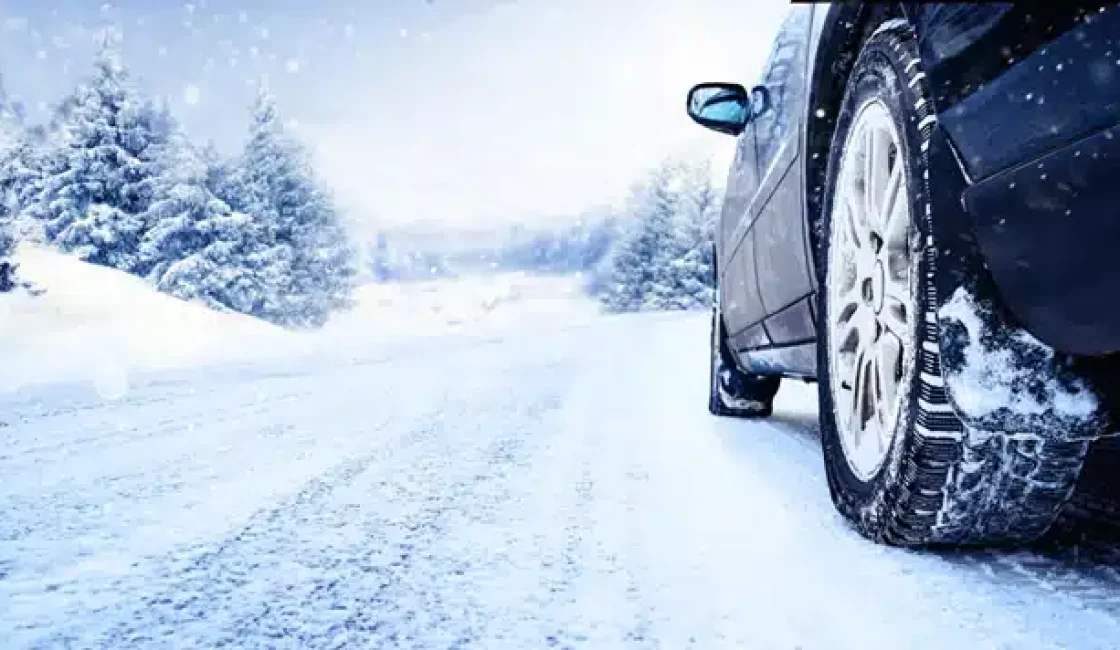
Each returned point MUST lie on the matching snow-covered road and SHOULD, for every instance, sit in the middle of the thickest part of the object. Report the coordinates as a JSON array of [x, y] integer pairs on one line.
[[566, 489]]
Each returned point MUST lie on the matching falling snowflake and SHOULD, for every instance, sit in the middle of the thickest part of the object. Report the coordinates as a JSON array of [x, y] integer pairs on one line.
[[42, 54], [243, 17], [292, 66], [192, 94], [264, 33], [163, 51], [404, 33], [348, 30]]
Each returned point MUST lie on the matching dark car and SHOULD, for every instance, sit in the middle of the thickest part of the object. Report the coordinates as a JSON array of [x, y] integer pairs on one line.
[[921, 217]]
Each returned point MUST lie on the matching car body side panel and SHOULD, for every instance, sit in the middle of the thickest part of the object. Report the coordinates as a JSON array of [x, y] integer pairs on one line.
[[1028, 96], [747, 300], [739, 310], [787, 326], [753, 337], [797, 360], [1012, 83], [1051, 243], [779, 233], [779, 249]]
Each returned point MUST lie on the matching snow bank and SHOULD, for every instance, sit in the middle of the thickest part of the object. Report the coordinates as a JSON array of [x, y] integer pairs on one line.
[[98, 324], [101, 325]]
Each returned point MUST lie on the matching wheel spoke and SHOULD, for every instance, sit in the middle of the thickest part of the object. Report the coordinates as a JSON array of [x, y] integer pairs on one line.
[[894, 221], [895, 315], [865, 410], [853, 209], [856, 328], [859, 396], [888, 363], [870, 173]]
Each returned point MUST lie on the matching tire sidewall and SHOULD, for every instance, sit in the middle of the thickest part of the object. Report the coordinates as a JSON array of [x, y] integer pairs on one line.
[[878, 74]]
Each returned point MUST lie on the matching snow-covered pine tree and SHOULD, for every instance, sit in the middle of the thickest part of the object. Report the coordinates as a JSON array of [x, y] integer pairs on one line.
[[11, 139], [22, 169], [662, 259], [221, 175], [12, 118], [97, 174], [306, 261], [641, 271], [194, 246], [697, 210]]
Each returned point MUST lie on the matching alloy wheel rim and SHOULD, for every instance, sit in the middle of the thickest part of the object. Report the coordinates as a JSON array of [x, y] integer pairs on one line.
[[872, 306]]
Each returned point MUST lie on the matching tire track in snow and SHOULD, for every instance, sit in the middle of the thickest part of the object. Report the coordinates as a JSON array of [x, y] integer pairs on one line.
[[222, 564], [363, 577], [25, 515]]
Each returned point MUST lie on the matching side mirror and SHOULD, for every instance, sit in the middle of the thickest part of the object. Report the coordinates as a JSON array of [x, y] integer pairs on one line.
[[721, 107]]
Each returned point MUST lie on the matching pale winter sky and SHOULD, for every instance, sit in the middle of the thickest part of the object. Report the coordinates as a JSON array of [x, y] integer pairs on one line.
[[457, 112]]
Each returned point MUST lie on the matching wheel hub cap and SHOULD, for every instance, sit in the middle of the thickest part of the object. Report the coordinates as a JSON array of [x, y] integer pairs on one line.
[[871, 307]]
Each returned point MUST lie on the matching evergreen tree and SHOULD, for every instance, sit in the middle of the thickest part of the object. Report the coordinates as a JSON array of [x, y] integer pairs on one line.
[[697, 212], [12, 139], [195, 247], [220, 271], [305, 260], [22, 173], [640, 265], [12, 117], [663, 257], [96, 182]]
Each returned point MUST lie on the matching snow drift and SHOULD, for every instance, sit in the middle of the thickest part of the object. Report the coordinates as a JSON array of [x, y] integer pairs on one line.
[[98, 324]]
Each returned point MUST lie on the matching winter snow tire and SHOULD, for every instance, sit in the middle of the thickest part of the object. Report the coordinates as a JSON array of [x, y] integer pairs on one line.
[[940, 483]]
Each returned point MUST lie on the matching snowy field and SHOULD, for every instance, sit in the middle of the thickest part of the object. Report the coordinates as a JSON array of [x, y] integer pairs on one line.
[[523, 475]]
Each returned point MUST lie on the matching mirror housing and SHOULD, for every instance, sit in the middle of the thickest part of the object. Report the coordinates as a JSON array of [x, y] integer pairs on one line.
[[722, 107]]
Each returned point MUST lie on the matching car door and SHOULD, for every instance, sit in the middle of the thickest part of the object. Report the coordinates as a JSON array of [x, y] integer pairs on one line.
[[779, 239], [738, 285]]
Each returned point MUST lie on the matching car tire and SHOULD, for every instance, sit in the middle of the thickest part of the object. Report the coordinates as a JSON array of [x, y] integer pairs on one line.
[[732, 392], [901, 465]]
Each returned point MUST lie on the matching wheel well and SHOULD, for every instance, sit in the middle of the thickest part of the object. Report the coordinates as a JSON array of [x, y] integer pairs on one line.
[[847, 27]]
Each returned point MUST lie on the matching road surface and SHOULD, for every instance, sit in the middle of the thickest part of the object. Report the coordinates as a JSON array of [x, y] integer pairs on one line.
[[560, 490]]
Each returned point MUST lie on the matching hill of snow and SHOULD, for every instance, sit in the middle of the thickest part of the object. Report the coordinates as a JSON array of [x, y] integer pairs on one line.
[[98, 324]]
